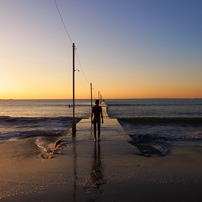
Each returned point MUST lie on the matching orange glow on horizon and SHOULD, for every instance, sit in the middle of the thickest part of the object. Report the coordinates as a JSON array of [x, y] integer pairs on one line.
[[115, 94]]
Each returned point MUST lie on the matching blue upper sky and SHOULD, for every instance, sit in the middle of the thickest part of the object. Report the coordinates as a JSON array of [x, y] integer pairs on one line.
[[127, 49]]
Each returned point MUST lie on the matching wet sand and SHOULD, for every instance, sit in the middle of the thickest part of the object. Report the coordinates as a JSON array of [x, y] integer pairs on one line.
[[112, 170]]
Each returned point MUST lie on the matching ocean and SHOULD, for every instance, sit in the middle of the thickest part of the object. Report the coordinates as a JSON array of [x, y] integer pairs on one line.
[[177, 121], [160, 121]]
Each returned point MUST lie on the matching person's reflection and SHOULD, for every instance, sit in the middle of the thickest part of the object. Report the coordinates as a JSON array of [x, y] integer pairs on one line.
[[97, 169]]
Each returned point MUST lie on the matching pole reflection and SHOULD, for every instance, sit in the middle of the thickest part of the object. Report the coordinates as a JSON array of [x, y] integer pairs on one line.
[[75, 166], [97, 170]]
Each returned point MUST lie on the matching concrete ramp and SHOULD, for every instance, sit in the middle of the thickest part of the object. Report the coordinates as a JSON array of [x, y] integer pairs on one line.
[[110, 130]]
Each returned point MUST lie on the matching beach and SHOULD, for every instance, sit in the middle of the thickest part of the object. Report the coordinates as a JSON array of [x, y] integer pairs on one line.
[[150, 150], [64, 63], [111, 170]]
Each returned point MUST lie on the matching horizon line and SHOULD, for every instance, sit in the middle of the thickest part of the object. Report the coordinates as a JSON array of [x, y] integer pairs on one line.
[[89, 98]]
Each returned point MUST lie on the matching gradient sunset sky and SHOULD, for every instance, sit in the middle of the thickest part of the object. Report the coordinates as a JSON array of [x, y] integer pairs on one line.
[[126, 48]]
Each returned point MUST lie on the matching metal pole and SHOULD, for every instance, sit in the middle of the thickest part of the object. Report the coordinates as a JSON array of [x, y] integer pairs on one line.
[[98, 95], [73, 120], [91, 98]]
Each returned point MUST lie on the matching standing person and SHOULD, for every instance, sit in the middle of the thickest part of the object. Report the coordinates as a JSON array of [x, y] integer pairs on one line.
[[96, 115]]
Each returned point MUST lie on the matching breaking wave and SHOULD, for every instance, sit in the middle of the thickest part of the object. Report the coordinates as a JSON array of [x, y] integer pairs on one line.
[[26, 127], [156, 136], [29, 134], [158, 120], [18, 121]]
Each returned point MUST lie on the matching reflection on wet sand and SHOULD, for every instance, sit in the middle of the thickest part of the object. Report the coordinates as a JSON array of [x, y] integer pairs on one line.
[[97, 170], [75, 167]]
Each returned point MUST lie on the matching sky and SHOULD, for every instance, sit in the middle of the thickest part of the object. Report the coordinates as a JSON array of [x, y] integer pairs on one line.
[[126, 49]]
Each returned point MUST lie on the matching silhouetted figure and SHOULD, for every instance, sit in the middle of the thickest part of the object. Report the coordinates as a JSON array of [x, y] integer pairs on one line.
[[96, 118]]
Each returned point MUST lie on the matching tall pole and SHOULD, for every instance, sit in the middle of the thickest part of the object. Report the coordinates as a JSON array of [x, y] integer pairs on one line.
[[91, 98], [73, 120], [98, 95]]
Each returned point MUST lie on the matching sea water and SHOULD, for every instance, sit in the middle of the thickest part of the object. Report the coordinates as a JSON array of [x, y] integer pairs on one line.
[[178, 121], [162, 108], [28, 118], [173, 121]]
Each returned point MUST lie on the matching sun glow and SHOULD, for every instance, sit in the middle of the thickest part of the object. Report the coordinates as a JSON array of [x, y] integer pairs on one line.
[[125, 61], [6, 85]]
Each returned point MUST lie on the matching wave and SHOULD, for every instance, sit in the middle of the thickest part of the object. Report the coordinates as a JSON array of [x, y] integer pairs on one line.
[[158, 120], [25, 127], [161, 145], [150, 144], [156, 136], [35, 123], [149, 105], [33, 133], [152, 137], [9, 119], [163, 129], [48, 142], [50, 146]]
